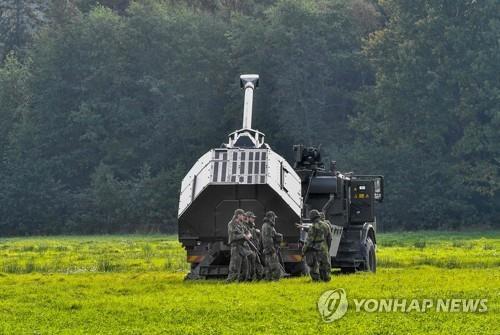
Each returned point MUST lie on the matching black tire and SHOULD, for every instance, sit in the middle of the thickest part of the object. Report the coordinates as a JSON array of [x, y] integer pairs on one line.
[[348, 270], [297, 269], [370, 256]]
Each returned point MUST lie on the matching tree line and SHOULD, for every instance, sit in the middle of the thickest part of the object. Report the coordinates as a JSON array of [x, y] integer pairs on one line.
[[105, 105]]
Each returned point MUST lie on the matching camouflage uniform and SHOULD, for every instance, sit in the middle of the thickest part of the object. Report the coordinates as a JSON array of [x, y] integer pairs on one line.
[[238, 266], [270, 238], [316, 248], [330, 226], [248, 274], [259, 267], [255, 268], [323, 218]]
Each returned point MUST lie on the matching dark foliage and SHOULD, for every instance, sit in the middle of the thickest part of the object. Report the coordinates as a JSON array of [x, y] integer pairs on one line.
[[105, 105]]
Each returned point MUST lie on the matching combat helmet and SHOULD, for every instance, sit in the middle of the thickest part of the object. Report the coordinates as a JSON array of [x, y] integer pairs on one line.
[[314, 214], [239, 211], [250, 214], [271, 215]]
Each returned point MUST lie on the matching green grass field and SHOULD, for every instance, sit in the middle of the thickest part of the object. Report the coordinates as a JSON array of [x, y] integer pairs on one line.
[[134, 285]]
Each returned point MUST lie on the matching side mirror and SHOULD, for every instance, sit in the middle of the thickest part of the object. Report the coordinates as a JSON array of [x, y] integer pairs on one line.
[[379, 188]]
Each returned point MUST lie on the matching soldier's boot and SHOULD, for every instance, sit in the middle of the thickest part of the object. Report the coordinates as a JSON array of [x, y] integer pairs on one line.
[[277, 275], [325, 267], [325, 275], [259, 269], [315, 272], [259, 273], [272, 273], [267, 273], [315, 276], [276, 268]]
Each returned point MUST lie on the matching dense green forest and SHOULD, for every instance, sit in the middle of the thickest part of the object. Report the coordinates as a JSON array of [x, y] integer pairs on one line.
[[105, 105]]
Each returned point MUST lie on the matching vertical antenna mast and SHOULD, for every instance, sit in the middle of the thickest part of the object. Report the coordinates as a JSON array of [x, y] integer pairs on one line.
[[248, 82]]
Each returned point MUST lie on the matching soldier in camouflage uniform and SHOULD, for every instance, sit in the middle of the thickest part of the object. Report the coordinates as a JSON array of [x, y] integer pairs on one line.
[[248, 274], [240, 250], [315, 249], [255, 264], [270, 238]]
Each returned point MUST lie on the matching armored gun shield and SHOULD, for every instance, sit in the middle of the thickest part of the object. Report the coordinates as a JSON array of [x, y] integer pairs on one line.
[[225, 179]]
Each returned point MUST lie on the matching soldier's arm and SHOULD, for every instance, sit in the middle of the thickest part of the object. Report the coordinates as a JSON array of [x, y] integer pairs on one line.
[[310, 234], [328, 235], [307, 242], [238, 233], [267, 239], [277, 237]]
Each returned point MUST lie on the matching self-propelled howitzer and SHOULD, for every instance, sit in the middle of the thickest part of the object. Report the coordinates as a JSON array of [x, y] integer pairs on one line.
[[246, 173]]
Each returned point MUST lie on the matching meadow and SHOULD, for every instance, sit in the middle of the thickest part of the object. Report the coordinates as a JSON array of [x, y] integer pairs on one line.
[[133, 284]]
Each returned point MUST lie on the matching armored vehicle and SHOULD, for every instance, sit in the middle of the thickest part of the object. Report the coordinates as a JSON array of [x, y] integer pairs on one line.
[[246, 173]]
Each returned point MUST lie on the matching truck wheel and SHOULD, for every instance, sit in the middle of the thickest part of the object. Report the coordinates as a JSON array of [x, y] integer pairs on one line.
[[297, 269], [348, 270], [370, 256]]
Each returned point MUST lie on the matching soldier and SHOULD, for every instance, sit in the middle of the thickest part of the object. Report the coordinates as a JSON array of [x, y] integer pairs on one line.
[[255, 264], [253, 229], [270, 238], [315, 249], [237, 237], [248, 274]]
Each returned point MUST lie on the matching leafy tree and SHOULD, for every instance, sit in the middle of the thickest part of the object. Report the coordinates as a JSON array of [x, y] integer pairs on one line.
[[434, 108], [19, 20], [14, 97]]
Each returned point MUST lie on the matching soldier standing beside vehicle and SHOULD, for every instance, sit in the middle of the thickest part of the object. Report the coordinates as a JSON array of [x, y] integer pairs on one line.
[[258, 269], [237, 237], [248, 274], [315, 248], [270, 237]]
